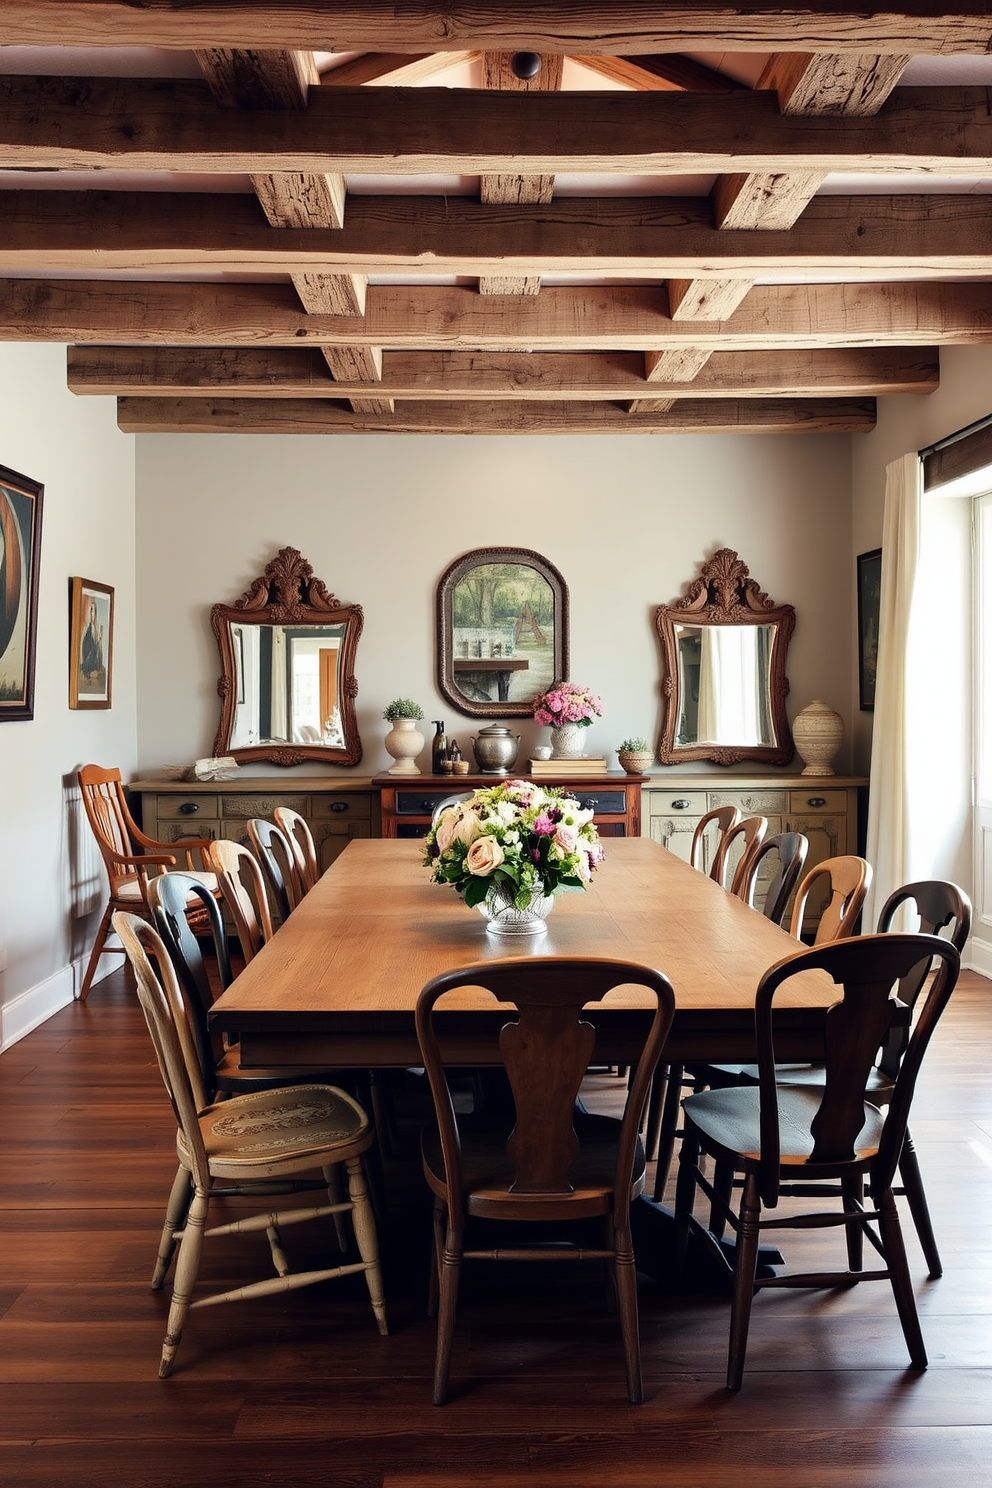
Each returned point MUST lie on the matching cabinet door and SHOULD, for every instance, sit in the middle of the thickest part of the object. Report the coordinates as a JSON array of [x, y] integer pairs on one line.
[[828, 838], [332, 837]]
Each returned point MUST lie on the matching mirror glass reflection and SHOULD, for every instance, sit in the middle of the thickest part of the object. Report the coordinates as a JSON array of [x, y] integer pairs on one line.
[[724, 679], [288, 681]]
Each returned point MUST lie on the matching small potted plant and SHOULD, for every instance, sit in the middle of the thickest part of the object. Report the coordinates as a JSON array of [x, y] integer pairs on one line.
[[635, 755], [404, 740]]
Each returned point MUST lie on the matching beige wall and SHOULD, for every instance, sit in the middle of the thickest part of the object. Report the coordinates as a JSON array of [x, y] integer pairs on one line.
[[48, 879], [626, 520]]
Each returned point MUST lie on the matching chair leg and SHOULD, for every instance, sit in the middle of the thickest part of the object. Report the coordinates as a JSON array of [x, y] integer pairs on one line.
[[669, 1127], [437, 1250], [909, 1171], [744, 1271], [626, 1285], [902, 1284], [186, 1272], [175, 1217], [853, 1189], [363, 1220], [95, 953], [685, 1193], [332, 1177], [723, 1183], [450, 1271]]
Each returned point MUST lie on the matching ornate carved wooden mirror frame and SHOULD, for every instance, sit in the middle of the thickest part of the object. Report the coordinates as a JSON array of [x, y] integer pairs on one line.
[[725, 595], [288, 598]]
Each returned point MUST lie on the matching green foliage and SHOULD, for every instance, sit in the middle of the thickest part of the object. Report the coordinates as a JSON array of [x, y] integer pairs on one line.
[[402, 708], [634, 746]]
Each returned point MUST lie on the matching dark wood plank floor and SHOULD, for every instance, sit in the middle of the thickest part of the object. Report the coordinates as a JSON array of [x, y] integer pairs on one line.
[[301, 1390]]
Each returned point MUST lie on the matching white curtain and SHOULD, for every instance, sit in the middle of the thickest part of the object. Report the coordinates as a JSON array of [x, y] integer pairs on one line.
[[728, 685], [890, 832], [279, 718]]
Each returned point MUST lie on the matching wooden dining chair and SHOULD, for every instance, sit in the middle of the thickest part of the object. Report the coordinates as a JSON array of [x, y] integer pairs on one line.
[[791, 849], [713, 828], [296, 830], [558, 1163], [278, 862], [748, 835], [131, 859], [259, 1142], [804, 1141], [847, 881], [242, 889]]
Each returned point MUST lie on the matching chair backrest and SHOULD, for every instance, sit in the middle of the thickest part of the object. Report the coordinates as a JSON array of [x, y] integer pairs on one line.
[[166, 1012], [722, 819], [242, 888], [791, 848], [169, 897], [297, 832], [113, 826], [848, 879], [275, 854], [868, 969], [937, 905], [749, 833], [545, 1051]]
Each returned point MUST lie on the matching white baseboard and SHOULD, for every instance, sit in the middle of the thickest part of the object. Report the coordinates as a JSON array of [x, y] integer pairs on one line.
[[978, 956], [33, 1007]]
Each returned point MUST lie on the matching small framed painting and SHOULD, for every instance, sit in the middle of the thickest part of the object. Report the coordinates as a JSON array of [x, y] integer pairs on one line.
[[20, 560], [91, 644], [869, 589]]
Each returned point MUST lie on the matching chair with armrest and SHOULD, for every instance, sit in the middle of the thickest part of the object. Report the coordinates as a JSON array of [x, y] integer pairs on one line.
[[242, 888], [129, 871], [802, 1141], [714, 827], [278, 862], [297, 832], [260, 1141], [558, 1163]]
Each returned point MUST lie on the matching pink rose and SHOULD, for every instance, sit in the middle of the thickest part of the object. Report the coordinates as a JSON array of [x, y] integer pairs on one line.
[[566, 836], [483, 856]]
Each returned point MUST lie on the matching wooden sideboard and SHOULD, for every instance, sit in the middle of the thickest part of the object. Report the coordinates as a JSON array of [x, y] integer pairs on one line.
[[407, 802], [336, 808]]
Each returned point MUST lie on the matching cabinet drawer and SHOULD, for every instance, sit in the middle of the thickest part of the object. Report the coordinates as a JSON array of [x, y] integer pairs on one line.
[[169, 807], [814, 799], [187, 831], [420, 802], [752, 802], [602, 802], [248, 806], [357, 807], [685, 803]]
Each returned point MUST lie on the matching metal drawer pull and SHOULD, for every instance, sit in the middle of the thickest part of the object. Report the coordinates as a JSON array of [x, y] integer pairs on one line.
[[817, 801], [590, 803], [680, 805], [189, 808], [339, 805]]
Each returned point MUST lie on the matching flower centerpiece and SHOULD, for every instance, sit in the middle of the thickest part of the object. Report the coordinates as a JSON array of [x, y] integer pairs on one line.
[[509, 848], [568, 707]]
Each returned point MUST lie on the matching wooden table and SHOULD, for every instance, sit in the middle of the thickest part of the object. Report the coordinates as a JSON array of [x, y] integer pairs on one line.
[[338, 983]]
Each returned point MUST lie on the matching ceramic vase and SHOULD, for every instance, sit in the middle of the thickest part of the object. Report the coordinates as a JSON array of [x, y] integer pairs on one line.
[[818, 732], [504, 918], [567, 741], [404, 742]]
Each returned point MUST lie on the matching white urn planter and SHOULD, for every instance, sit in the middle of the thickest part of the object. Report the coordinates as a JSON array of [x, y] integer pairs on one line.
[[818, 733], [404, 742]]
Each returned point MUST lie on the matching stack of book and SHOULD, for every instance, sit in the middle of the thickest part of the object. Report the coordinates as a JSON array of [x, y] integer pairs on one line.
[[586, 764]]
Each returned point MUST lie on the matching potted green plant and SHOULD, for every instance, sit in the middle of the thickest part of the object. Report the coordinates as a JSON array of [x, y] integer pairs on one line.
[[404, 740], [635, 755]]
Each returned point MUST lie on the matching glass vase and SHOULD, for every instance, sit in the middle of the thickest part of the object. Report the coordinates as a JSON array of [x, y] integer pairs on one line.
[[504, 918]]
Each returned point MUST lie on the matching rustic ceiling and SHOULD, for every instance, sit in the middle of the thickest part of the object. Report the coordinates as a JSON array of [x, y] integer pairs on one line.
[[313, 217]]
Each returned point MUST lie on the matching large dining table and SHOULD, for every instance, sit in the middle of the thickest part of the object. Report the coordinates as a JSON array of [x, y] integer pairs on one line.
[[338, 982]]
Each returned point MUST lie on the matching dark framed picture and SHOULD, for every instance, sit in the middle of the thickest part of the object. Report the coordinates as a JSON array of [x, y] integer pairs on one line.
[[502, 623], [20, 561], [91, 644], [869, 588]]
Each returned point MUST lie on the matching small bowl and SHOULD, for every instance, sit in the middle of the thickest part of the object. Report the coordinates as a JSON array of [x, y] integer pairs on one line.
[[460, 767], [542, 751]]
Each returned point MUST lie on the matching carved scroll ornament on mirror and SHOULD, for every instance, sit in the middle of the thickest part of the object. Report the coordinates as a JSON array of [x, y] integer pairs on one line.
[[725, 647], [287, 683]]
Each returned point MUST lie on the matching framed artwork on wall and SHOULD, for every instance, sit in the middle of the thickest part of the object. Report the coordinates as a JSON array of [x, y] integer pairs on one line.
[[20, 560], [869, 588], [91, 644], [502, 631]]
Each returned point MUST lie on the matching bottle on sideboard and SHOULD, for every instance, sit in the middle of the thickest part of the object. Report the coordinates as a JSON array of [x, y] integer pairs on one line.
[[439, 746]]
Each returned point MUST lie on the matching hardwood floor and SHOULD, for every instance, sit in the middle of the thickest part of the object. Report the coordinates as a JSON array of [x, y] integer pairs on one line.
[[300, 1389]]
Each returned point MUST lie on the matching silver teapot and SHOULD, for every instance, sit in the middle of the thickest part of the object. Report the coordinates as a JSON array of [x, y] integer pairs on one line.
[[495, 749]]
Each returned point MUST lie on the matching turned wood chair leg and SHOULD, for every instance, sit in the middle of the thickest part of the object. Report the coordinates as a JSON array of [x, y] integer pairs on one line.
[[723, 1184], [669, 1128], [685, 1193], [363, 1220], [909, 1171], [902, 1283], [853, 1191], [447, 1301], [187, 1267], [335, 1195], [625, 1274], [744, 1272], [95, 953], [175, 1217], [437, 1250]]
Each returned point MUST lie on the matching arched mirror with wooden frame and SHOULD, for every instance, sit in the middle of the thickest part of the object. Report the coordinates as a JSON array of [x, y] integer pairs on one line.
[[725, 647], [287, 683]]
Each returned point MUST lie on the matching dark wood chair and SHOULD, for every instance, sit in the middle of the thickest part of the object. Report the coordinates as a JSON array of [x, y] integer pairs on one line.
[[716, 823], [798, 1140], [791, 849], [259, 1142], [278, 862], [131, 859], [542, 1162]]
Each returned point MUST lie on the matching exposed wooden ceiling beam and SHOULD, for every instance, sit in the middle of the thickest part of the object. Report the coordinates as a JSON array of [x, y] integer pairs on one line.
[[660, 237], [142, 124], [663, 74], [606, 319], [581, 376], [639, 26], [394, 68], [257, 416]]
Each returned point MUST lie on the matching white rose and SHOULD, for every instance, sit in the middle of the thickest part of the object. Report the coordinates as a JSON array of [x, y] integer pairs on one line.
[[445, 830], [483, 856], [467, 828]]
